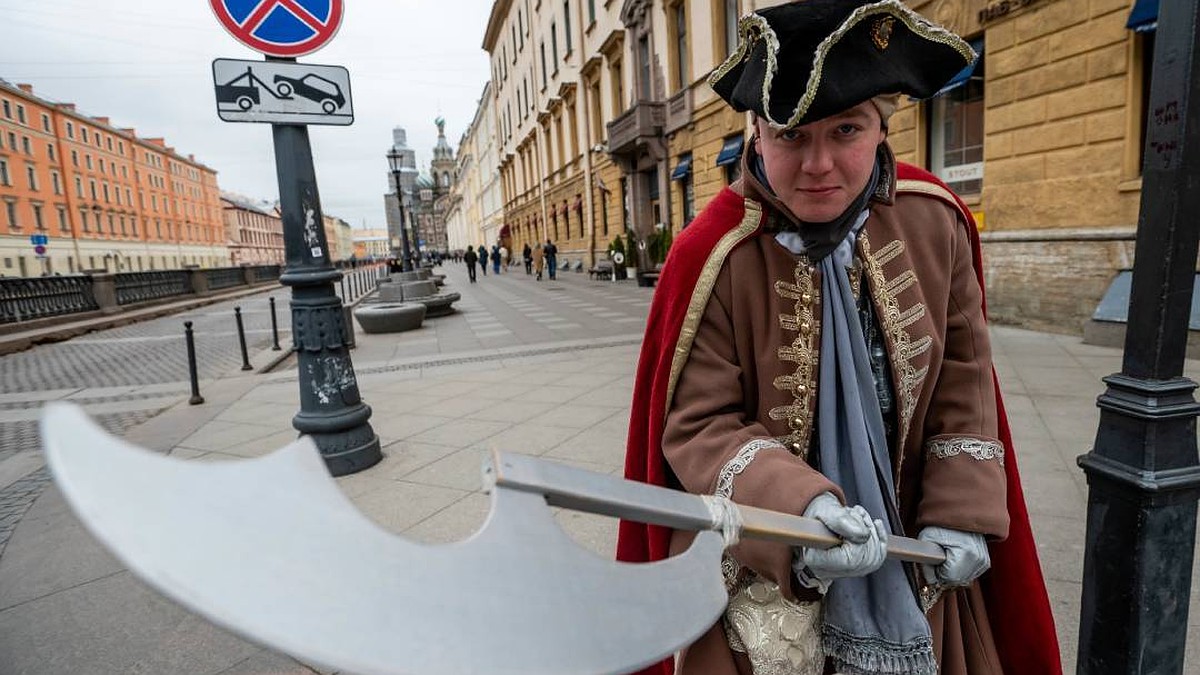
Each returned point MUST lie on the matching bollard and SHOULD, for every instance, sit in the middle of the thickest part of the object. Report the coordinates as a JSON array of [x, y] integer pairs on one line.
[[274, 327], [237, 312], [190, 339]]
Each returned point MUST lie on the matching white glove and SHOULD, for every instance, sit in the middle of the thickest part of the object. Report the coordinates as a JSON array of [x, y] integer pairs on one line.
[[966, 556], [863, 550]]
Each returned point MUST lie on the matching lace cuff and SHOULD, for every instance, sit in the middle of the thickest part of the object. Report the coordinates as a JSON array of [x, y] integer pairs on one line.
[[982, 450], [739, 462]]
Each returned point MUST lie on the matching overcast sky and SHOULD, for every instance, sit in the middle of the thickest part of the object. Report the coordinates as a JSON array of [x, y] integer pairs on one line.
[[147, 65]]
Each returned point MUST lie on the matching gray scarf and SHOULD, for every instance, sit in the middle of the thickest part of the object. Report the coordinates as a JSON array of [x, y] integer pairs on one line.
[[873, 625]]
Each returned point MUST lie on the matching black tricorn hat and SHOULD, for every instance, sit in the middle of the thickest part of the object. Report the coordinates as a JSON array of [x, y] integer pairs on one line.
[[804, 61]]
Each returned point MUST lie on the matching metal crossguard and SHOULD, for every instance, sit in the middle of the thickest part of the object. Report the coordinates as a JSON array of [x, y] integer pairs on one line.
[[271, 549]]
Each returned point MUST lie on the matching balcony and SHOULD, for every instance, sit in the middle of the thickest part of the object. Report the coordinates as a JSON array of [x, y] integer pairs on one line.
[[679, 110], [640, 124]]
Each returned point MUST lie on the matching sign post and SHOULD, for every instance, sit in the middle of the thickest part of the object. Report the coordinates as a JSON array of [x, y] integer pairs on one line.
[[1143, 472], [289, 96]]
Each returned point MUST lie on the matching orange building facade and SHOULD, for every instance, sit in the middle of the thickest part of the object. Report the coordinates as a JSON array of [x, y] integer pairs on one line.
[[104, 198]]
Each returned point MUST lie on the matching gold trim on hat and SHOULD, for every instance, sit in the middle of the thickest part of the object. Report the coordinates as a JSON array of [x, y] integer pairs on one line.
[[754, 27]]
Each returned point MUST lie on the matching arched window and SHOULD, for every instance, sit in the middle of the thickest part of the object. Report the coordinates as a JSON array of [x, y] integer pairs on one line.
[[446, 179]]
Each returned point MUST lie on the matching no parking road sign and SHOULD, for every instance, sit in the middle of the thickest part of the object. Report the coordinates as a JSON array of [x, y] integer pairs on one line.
[[284, 28]]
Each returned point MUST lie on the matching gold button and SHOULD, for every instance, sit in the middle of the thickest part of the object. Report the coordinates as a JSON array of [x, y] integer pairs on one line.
[[806, 298], [805, 328], [797, 422], [796, 448], [801, 389]]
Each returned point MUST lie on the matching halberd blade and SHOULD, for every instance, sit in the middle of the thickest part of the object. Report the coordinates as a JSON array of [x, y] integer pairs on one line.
[[271, 549]]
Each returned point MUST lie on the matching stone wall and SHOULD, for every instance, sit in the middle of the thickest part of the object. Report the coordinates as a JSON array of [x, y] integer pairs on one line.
[[1052, 280]]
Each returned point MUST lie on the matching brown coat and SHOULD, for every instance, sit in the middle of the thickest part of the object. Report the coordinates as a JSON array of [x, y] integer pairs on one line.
[[752, 374]]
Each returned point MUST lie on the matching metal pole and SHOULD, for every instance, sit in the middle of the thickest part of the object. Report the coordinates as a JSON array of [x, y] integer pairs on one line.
[[331, 409], [274, 327], [342, 281], [237, 313], [1143, 472], [190, 339], [406, 262]]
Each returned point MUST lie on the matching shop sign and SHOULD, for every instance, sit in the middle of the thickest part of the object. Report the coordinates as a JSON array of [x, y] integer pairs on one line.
[[1001, 9]]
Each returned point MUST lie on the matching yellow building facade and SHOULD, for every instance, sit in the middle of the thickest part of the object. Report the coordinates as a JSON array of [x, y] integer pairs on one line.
[[607, 127]]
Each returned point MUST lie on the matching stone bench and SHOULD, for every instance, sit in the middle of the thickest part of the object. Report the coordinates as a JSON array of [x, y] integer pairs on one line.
[[602, 270], [389, 317]]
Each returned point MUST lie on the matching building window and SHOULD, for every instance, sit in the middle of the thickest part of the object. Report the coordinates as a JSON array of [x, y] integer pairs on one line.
[[682, 174], [614, 71], [45, 123], [591, 11], [12, 141], [643, 54], [31, 174], [105, 188], [554, 47], [92, 185], [594, 105], [730, 158], [83, 133], [956, 130], [27, 145], [87, 161], [680, 75], [56, 182], [37, 218], [7, 109], [566, 28], [112, 224], [63, 225], [20, 114], [50, 152], [10, 210], [544, 70], [4, 177], [83, 213], [75, 158]]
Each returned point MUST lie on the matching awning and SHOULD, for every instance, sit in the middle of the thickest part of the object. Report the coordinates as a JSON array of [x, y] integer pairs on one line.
[[965, 74], [731, 151], [1144, 17], [682, 168], [578, 203], [504, 231]]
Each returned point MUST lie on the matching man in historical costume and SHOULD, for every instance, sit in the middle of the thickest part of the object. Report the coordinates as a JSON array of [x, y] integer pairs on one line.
[[817, 345]]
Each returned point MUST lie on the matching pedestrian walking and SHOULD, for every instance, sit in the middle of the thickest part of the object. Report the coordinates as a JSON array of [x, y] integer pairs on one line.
[[551, 258], [527, 255], [495, 258], [483, 259], [539, 260], [876, 411], [470, 259]]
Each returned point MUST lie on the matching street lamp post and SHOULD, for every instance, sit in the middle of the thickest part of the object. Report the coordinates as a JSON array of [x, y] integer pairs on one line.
[[1143, 473], [332, 411], [401, 174]]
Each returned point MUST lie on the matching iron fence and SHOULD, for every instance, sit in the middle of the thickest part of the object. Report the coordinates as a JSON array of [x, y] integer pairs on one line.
[[225, 277], [266, 272], [141, 286], [27, 298]]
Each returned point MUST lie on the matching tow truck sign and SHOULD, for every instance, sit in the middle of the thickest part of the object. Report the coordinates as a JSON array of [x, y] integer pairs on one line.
[[282, 92]]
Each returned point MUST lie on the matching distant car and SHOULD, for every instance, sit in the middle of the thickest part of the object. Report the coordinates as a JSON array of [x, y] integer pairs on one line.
[[314, 88]]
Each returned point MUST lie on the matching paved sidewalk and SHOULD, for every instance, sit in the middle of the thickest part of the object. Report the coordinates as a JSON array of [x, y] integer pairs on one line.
[[66, 606]]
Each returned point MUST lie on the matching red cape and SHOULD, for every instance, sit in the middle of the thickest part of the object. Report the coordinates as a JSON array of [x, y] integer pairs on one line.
[[1014, 590]]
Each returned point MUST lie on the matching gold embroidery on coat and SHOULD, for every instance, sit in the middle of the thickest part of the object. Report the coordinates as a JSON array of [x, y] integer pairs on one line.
[[903, 348], [806, 323], [703, 290]]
